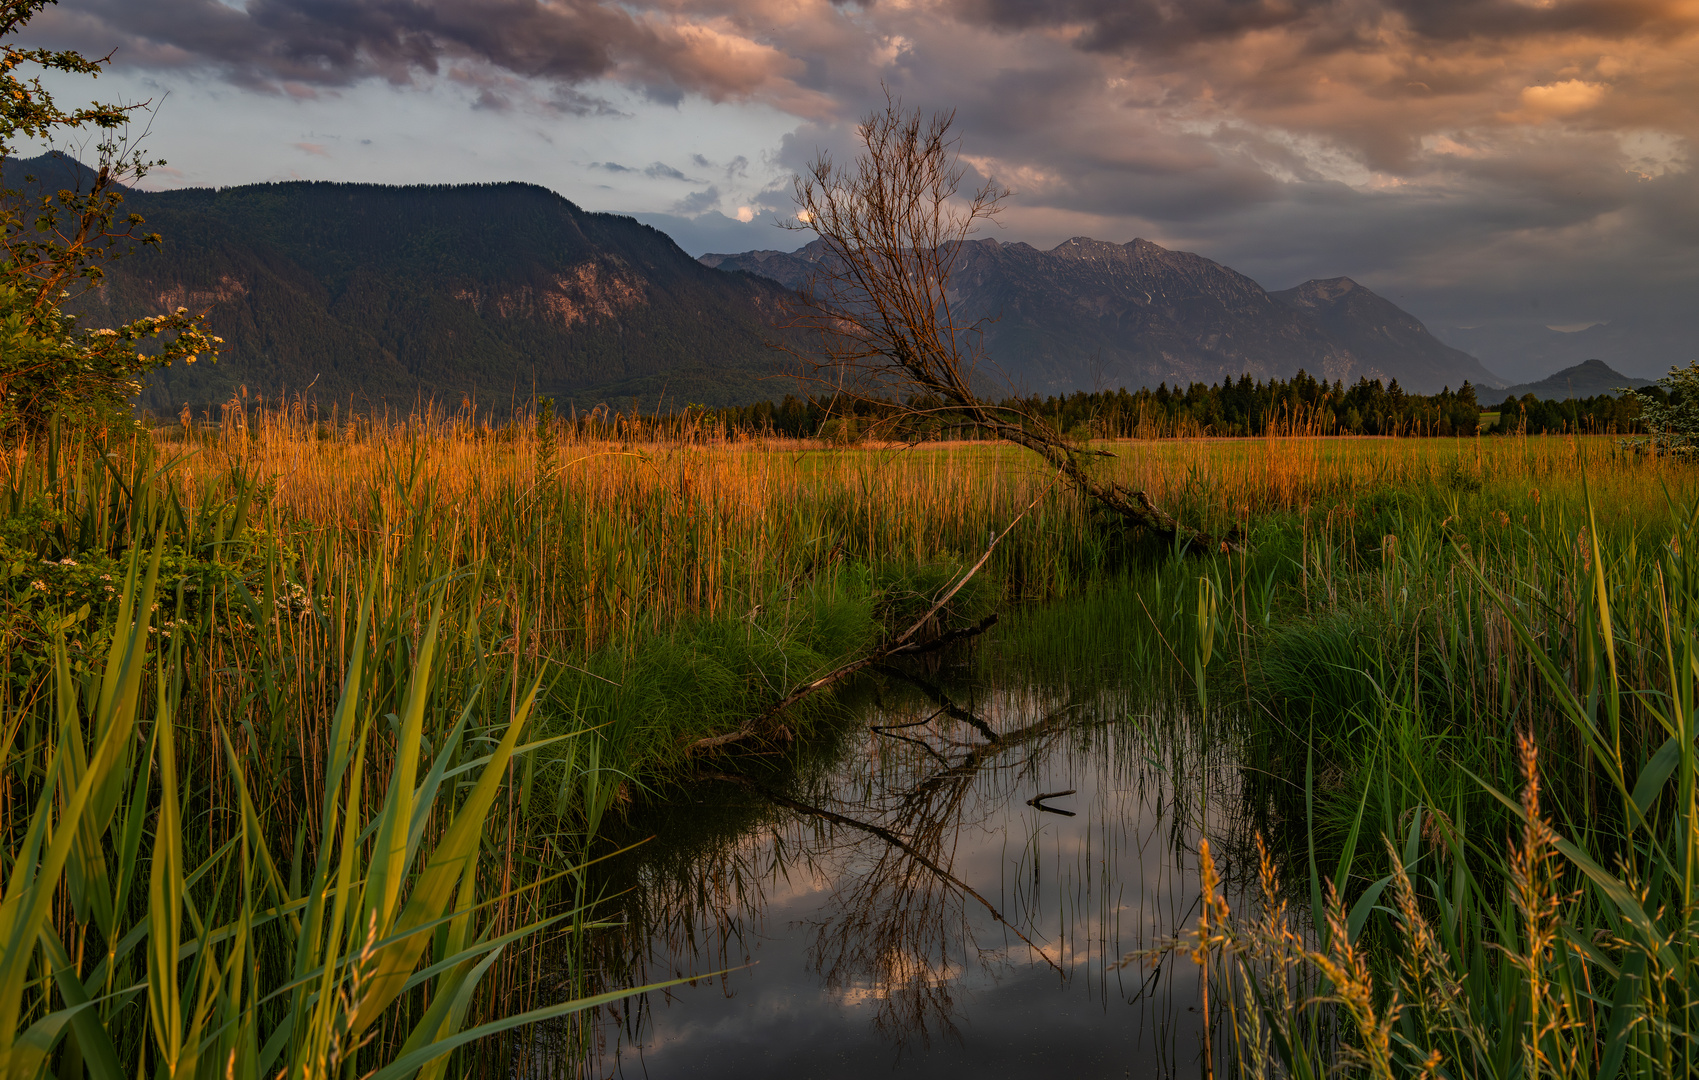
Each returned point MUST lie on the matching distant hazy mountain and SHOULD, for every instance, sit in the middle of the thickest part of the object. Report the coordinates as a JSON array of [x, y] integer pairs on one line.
[[1385, 337], [389, 294], [1589, 378], [1647, 344], [1089, 314]]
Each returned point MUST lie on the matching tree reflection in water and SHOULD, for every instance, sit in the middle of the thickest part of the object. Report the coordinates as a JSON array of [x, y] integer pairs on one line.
[[908, 856]]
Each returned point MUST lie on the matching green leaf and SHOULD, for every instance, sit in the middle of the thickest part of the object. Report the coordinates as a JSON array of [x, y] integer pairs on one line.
[[407, 1064]]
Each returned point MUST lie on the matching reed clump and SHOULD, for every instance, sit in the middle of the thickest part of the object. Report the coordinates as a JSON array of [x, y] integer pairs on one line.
[[367, 629], [1533, 777], [263, 812]]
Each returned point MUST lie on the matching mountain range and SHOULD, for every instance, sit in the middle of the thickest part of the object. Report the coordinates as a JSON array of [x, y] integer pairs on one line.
[[385, 295], [389, 295], [1590, 378], [1646, 343], [1091, 314]]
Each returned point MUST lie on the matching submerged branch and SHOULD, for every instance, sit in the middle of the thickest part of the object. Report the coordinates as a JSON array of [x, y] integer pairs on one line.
[[940, 699]]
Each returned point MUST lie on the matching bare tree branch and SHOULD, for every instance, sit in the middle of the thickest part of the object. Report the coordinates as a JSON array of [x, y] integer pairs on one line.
[[891, 227]]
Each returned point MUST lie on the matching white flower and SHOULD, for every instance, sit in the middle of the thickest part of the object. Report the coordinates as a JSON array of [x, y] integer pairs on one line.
[[42, 585], [67, 561]]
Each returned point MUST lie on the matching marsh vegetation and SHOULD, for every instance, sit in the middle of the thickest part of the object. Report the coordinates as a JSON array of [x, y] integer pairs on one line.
[[355, 709]]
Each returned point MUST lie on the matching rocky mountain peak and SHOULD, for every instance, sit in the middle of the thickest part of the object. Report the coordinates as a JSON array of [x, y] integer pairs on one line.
[[1325, 290], [1090, 312]]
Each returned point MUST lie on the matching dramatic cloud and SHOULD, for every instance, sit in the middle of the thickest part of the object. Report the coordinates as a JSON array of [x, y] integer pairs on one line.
[[1464, 156], [660, 170], [302, 46]]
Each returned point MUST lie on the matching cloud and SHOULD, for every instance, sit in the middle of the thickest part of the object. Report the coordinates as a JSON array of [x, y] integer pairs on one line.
[[1564, 98], [316, 149], [698, 202], [295, 46], [660, 170], [1459, 154], [1456, 153]]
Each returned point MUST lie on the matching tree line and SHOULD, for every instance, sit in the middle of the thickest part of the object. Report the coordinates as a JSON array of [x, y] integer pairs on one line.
[[1302, 404]]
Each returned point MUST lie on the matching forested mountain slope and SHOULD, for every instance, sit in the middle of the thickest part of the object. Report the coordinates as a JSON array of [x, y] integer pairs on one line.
[[384, 295]]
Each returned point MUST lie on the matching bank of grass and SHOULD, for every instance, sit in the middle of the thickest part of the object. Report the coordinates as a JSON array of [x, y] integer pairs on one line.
[[658, 591], [253, 829], [1498, 805], [336, 898]]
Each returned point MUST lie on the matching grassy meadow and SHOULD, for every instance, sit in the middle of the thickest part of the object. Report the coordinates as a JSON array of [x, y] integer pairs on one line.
[[311, 729]]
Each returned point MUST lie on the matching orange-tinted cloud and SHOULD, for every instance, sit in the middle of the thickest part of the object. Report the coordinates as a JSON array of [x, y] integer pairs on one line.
[[294, 46], [1490, 147]]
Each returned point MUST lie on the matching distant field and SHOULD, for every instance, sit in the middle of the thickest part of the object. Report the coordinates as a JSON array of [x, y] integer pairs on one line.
[[734, 512]]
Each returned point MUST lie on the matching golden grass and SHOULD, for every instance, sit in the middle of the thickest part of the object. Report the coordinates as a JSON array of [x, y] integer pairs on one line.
[[569, 541], [625, 529], [327, 475]]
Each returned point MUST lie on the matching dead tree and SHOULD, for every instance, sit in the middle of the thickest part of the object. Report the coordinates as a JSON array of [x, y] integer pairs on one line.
[[891, 227]]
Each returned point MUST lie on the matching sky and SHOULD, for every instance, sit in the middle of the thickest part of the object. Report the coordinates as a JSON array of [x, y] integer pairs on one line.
[[1476, 161]]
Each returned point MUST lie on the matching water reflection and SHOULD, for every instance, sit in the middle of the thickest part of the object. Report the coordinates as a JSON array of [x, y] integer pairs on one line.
[[911, 906]]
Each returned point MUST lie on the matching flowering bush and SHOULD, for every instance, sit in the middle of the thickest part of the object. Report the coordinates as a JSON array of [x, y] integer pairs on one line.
[[52, 242], [1673, 420], [46, 594]]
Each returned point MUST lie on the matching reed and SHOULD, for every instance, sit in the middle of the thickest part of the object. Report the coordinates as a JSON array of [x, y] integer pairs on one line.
[[254, 826], [1520, 736], [619, 591]]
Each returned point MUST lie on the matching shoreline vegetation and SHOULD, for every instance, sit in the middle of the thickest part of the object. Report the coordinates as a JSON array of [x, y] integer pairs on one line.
[[314, 724], [1246, 408], [241, 631]]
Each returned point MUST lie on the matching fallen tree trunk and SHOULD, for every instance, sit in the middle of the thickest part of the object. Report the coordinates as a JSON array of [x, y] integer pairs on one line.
[[905, 644]]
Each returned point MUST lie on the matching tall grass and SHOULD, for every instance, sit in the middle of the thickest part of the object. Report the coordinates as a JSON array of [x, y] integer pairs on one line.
[[255, 826], [1523, 743], [356, 620], [620, 527], [237, 952]]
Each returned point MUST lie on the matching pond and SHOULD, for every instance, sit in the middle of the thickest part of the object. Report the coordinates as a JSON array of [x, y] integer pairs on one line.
[[963, 880]]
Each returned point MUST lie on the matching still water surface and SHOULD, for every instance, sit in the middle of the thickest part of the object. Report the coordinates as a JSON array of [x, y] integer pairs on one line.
[[900, 902]]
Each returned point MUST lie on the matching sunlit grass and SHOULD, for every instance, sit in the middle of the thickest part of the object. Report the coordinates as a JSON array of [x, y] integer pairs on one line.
[[660, 585]]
